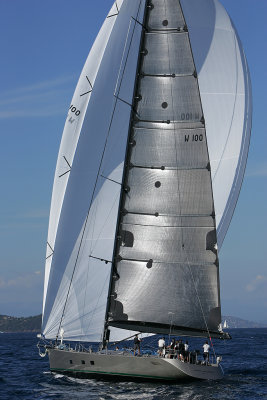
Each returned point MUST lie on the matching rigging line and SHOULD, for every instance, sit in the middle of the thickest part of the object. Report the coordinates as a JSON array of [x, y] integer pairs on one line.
[[88, 269], [212, 199], [211, 188], [114, 202], [50, 247], [101, 259], [60, 176], [124, 172], [100, 295], [123, 101], [67, 161], [124, 49], [52, 251], [117, 7], [111, 180], [117, 13], [96, 181], [200, 304], [64, 173], [125, 64], [179, 194], [143, 26], [78, 317]]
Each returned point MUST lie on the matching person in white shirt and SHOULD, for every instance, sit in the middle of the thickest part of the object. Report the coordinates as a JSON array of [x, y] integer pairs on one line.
[[186, 351], [161, 344], [206, 354]]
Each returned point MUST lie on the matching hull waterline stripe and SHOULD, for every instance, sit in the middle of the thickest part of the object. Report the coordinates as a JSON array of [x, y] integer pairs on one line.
[[111, 373]]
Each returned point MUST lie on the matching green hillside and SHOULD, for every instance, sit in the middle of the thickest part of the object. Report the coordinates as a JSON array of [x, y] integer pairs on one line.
[[22, 324], [33, 324]]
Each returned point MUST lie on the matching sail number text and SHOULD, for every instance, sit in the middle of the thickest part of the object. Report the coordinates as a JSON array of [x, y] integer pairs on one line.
[[193, 138], [74, 110]]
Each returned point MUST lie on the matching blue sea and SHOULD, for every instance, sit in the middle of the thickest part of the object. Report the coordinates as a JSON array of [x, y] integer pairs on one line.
[[24, 375]]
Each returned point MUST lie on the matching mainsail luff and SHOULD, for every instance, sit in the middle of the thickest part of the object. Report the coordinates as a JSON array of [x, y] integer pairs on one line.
[[131, 306]]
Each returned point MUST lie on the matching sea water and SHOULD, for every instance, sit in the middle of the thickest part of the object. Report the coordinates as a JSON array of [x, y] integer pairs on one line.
[[24, 375]]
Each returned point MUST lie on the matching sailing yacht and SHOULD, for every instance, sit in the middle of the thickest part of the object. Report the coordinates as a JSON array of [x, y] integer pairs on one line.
[[225, 325], [149, 171]]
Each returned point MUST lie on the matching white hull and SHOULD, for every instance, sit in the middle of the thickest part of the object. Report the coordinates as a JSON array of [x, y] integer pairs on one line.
[[115, 364]]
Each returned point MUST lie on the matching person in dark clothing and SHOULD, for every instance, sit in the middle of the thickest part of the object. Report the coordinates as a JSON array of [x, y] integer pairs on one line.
[[137, 342], [176, 348], [181, 350], [171, 348]]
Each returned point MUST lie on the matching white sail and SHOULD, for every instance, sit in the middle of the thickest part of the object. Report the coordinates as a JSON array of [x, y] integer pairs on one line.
[[93, 181], [71, 135], [225, 90], [225, 325]]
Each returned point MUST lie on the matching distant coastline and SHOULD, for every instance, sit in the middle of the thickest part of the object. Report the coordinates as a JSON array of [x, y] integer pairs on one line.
[[10, 324], [235, 322], [20, 324]]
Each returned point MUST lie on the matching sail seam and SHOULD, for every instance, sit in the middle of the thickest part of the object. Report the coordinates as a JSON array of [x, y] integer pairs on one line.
[[168, 168], [197, 263], [168, 226]]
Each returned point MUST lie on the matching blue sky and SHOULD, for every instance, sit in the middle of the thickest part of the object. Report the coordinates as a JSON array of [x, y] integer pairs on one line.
[[44, 45]]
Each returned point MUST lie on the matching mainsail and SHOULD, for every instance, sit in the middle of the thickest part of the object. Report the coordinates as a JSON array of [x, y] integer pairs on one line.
[[185, 158], [166, 264]]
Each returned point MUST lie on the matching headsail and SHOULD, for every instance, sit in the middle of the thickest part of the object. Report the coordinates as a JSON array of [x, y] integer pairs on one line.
[[87, 181]]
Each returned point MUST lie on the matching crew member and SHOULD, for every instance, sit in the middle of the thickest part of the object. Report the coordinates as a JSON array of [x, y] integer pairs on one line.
[[161, 344], [137, 342]]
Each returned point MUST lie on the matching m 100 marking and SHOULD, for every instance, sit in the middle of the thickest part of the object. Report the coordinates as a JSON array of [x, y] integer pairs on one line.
[[193, 138]]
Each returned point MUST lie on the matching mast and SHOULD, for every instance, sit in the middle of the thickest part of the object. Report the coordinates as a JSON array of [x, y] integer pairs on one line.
[[113, 272]]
